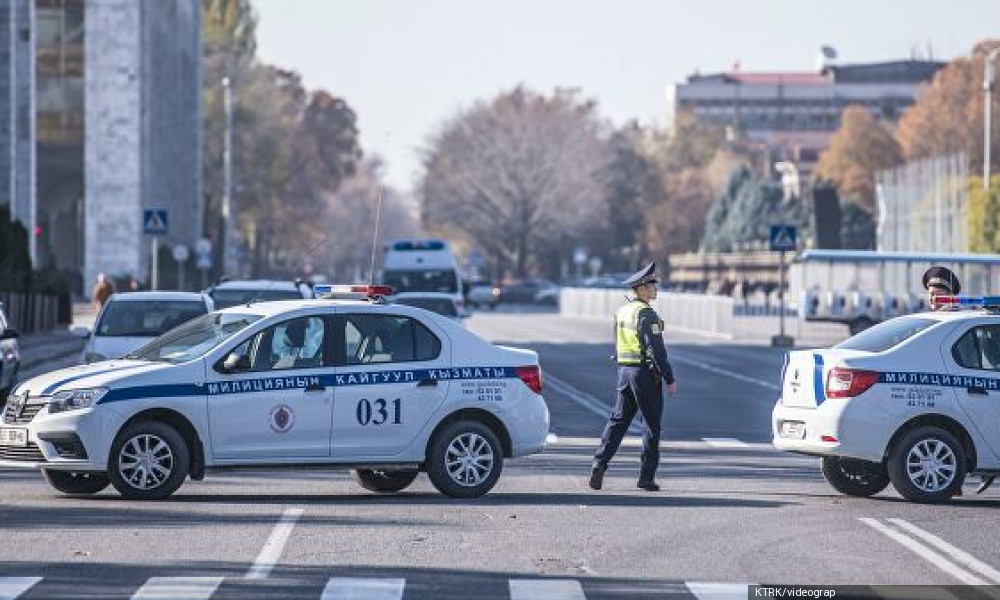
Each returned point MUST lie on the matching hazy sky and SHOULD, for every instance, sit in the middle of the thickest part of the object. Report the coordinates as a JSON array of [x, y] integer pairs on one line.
[[407, 65]]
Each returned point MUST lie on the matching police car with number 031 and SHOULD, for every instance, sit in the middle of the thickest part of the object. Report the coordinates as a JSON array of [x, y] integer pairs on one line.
[[346, 380], [914, 401]]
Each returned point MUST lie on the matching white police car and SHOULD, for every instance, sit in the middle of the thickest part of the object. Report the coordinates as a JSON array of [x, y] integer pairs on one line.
[[384, 389], [914, 401]]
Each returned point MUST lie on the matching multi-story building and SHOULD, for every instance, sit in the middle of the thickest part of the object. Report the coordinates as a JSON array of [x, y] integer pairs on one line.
[[17, 138], [117, 120], [793, 115]]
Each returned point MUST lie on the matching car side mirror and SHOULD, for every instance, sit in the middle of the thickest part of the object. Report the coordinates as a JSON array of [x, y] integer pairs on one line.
[[236, 362], [80, 331], [10, 334]]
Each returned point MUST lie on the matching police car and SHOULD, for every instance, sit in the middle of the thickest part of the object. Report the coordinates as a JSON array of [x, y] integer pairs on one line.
[[914, 401], [387, 390]]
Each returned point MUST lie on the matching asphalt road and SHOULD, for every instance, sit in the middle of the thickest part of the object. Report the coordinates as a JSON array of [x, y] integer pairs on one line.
[[733, 511]]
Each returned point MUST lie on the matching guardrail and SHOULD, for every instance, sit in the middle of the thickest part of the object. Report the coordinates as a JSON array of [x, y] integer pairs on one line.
[[30, 313]]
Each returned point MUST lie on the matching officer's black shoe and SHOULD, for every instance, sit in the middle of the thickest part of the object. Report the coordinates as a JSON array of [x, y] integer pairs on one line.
[[597, 477], [649, 486]]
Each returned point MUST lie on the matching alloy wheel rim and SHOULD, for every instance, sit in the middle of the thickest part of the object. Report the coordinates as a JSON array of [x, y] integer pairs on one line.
[[931, 465], [145, 461], [469, 459]]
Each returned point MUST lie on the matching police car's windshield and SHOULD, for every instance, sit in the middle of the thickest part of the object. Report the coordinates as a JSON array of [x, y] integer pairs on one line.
[[193, 339], [422, 280], [887, 335]]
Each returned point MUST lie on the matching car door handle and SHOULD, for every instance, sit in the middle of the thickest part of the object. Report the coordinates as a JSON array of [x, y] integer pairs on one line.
[[427, 383], [316, 387], [978, 391]]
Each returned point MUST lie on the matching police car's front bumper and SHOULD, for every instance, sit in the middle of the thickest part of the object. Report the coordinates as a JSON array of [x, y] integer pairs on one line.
[[74, 440], [838, 427]]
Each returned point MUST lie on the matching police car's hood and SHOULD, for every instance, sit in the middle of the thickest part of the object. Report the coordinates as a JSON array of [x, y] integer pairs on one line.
[[102, 374]]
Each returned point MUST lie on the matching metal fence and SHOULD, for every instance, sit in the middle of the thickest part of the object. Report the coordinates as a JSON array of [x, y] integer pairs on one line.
[[29, 313], [922, 205]]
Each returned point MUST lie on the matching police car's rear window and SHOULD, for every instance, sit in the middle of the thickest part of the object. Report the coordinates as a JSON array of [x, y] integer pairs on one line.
[[887, 335]]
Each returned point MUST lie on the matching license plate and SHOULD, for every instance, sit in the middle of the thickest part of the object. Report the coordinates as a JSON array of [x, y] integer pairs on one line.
[[793, 429], [13, 437]]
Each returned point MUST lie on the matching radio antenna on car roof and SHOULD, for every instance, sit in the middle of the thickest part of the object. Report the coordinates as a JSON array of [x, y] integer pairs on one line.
[[378, 216], [300, 265]]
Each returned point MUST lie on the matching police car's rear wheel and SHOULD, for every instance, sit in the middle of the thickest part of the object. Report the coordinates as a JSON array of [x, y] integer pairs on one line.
[[465, 460], [149, 461], [855, 477], [385, 481], [76, 483], [927, 465]]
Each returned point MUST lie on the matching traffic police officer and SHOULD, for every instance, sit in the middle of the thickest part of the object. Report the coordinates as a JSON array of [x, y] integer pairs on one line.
[[642, 362], [940, 281]]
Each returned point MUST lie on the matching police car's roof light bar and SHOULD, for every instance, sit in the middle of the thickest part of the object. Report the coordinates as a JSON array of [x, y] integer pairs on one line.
[[989, 302], [371, 292]]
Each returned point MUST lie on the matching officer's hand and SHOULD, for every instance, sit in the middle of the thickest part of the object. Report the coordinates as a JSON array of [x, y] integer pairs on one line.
[[671, 389]]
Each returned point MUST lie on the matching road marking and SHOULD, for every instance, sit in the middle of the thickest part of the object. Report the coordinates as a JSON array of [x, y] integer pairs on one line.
[[546, 589], [725, 443], [733, 374], [274, 545], [551, 439], [349, 588], [178, 588], [585, 400], [956, 554], [12, 587], [718, 591], [925, 553]]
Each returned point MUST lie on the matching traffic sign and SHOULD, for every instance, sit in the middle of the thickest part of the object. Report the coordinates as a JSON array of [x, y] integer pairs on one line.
[[784, 238], [181, 253], [580, 255], [203, 249], [154, 221]]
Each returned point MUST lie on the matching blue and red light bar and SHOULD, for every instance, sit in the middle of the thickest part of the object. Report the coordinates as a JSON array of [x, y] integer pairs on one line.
[[969, 301], [365, 291]]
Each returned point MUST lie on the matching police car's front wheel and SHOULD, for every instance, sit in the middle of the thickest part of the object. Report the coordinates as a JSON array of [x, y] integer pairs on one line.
[[464, 460], [383, 481], [76, 483], [927, 465], [149, 461], [854, 477]]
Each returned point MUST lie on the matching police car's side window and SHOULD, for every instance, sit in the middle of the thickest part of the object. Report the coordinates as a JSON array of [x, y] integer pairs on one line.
[[377, 339], [966, 351], [979, 348], [294, 344]]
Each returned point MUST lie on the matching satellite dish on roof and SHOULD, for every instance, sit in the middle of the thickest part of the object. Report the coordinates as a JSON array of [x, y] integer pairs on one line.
[[826, 56]]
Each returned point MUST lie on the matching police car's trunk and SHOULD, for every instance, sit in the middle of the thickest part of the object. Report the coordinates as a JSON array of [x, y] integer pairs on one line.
[[810, 377]]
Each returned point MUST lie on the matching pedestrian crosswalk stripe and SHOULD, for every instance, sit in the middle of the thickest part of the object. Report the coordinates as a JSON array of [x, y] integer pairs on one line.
[[725, 443], [12, 587], [347, 588], [546, 589], [178, 588], [719, 591]]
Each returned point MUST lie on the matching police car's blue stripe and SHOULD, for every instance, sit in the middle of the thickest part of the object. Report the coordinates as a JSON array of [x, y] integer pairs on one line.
[[296, 382], [63, 382], [818, 388]]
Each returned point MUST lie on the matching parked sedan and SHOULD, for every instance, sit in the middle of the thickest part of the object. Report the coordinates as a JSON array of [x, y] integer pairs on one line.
[[528, 291], [131, 319]]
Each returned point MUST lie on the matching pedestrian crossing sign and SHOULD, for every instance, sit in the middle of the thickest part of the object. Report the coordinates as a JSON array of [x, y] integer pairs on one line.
[[154, 221], [784, 237]]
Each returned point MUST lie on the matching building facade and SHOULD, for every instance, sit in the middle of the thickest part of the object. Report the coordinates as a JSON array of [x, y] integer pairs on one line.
[[116, 91], [17, 136]]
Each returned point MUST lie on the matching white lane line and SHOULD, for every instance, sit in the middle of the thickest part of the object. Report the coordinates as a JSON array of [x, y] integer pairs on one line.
[[12, 587], [350, 588], [178, 588], [733, 374], [718, 591], [925, 553], [585, 400], [956, 554], [725, 443], [274, 545], [546, 589], [551, 439]]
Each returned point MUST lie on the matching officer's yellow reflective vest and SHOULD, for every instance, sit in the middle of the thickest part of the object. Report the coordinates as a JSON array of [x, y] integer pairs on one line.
[[628, 346]]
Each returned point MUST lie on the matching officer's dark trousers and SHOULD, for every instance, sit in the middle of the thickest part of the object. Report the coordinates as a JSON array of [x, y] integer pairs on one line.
[[639, 389]]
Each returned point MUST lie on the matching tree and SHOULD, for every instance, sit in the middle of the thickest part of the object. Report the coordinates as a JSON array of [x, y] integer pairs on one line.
[[984, 216], [521, 176], [858, 150], [15, 261], [634, 186]]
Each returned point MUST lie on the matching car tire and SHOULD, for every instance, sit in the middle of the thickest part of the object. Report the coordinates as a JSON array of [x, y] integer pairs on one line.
[[450, 446], [383, 481], [69, 482], [855, 477], [907, 471], [163, 447]]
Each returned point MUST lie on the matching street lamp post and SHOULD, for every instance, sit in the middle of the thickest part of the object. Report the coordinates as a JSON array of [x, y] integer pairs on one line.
[[227, 179], [988, 79]]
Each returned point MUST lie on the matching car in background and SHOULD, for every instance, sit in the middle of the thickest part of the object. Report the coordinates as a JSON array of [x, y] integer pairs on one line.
[[10, 356], [483, 295], [442, 304], [233, 293], [529, 291], [130, 320]]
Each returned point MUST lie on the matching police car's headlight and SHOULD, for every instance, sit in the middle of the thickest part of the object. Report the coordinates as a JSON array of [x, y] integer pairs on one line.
[[76, 399]]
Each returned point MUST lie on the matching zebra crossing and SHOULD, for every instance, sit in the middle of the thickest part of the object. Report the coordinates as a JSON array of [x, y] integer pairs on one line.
[[361, 588]]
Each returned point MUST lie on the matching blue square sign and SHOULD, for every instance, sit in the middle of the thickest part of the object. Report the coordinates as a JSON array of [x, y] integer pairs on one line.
[[154, 221], [784, 238]]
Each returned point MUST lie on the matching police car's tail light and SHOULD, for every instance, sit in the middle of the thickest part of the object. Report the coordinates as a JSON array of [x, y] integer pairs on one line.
[[531, 376], [848, 383], [75, 399]]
